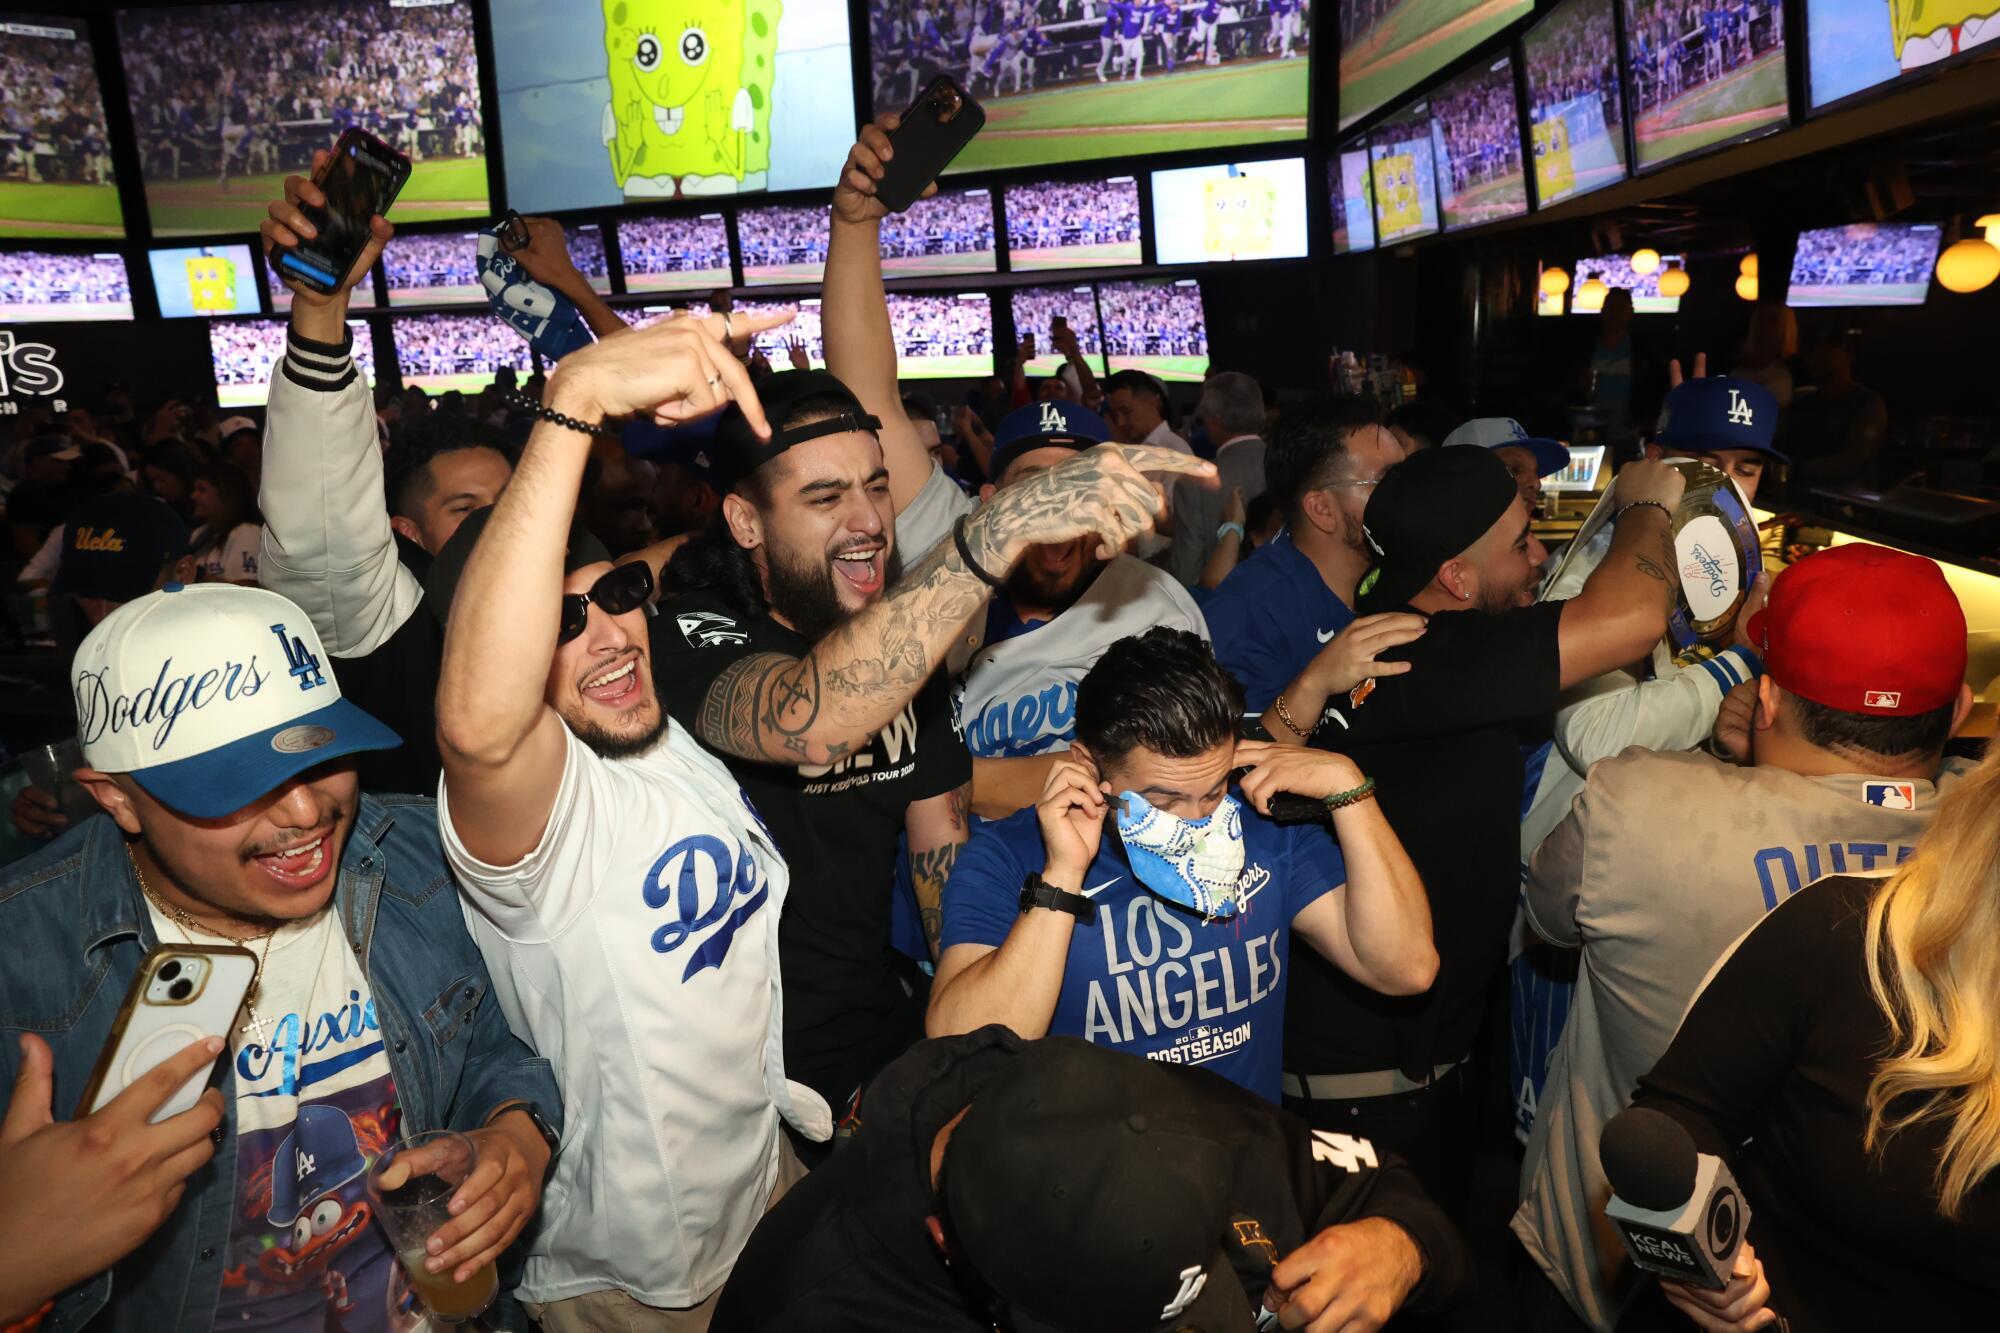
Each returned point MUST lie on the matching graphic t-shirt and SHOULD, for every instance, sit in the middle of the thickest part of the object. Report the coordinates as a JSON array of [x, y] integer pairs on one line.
[[1270, 617], [847, 1012], [315, 1106], [1151, 977], [234, 560]]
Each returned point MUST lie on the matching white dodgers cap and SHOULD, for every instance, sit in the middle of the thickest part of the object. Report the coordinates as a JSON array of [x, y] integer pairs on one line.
[[1504, 432], [211, 696]]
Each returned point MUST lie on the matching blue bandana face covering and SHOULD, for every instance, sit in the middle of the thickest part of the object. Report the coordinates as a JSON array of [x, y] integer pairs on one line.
[[1197, 863]]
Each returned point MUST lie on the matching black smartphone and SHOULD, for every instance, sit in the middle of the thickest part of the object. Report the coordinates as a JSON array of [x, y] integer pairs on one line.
[[936, 128], [360, 179]]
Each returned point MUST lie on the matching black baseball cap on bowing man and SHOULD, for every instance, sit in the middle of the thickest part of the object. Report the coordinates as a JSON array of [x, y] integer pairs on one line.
[[1426, 510], [738, 452]]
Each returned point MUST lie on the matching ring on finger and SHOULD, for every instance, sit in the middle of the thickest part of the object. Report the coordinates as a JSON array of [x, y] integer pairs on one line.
[[714, 380], [728, 332]]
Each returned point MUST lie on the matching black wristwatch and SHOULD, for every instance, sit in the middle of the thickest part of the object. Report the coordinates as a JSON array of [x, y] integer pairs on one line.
[[542, 1127], [1038, 892]]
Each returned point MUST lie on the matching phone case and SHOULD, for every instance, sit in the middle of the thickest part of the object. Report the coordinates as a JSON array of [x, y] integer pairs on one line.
[[926, 145], [150, 1027], [325, 261]]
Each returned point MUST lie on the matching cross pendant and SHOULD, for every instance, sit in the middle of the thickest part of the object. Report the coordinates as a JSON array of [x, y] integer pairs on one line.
[[258, 1027]]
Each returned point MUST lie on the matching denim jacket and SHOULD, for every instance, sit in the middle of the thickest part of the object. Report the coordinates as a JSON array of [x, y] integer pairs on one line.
[[75, 928]]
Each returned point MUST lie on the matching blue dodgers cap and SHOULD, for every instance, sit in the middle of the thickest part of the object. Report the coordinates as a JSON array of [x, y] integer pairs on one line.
[[1551, 456], [1720, 412], [1051, 425], [212, 696]]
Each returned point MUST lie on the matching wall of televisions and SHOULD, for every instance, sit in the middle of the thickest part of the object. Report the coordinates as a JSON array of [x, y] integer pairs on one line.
[[1128, 144]]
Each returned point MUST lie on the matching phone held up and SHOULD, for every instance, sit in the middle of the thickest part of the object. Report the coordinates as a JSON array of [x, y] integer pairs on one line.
[[936, 128], [182, 993], [360, 178]]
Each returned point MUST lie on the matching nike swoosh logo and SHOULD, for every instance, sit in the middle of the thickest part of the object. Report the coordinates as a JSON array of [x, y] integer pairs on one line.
[[1325, 634], [1097, 889]]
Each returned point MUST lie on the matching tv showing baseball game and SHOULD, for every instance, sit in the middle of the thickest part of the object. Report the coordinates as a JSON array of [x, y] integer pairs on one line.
[[204, 280], [1156, 326], [675, 254], [1036, 309], [1576, 115], [227, 102], [1063, 84], [1476, 135], [1388, 47], [361, 298], [1073, 224], [1616, 271], [1855, 45], [38, 287], [632, 100], [1864, 263], [1230, 211], [942, 336], [951, 232], [586, 251], [55, 152], [1401, 162], [246, 353], [437, 269], [783, 345], [1353, 195], [442, 353], [1702, 73], [781, 243]]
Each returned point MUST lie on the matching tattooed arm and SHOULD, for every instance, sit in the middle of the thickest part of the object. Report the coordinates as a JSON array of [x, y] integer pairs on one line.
[[1622, 610], [818, 708], [937, 827]]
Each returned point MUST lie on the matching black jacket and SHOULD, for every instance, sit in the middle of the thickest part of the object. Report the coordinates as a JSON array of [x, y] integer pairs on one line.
[[848, 1251]]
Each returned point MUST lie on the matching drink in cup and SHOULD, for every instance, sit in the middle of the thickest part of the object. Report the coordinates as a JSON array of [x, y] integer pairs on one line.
[[412, 1184]]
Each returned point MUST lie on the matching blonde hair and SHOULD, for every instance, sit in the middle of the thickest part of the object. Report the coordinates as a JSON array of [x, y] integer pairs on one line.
[[1934, 967]]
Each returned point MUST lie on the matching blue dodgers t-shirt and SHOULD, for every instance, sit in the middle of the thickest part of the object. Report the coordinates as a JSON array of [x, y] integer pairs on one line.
[[1150, 977], [1269, 617]]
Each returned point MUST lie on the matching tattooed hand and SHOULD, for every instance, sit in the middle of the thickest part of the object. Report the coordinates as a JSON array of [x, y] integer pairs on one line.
[[1102, 492]]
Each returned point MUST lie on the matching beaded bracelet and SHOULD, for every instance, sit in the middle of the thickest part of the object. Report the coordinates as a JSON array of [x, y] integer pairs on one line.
[[549, 414], [1641, 504], [1341, 800]]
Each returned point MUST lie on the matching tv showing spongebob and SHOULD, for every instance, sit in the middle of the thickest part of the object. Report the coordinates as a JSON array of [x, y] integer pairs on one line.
[[615, 100], [1855, 45], [1230, 211], [204, 280]]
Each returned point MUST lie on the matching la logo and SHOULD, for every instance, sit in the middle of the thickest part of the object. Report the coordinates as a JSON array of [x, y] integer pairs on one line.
[[1052, 418], [1739, 411], [1193, 1279], [304, 666]]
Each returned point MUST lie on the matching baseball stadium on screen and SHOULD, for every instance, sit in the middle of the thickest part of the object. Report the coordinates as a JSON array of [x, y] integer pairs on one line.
[[951, 232], [38, 287], [246, 353], [462, 353], [675, 254], [1864, 264], [1702, 74], [213, 163], [1388, 47], [943, 335], [55, 151], [1135, 77], [781, 243], [1156, 326], [1072, 224], [1576, 112], [441, 268], [1036, 309]]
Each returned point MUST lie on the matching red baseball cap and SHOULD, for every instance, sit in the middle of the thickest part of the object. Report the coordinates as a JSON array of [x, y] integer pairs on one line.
[[1866, 630]]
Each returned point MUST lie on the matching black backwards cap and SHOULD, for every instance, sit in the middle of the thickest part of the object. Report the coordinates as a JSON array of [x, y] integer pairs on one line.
[[738, 452], [1428, 509]]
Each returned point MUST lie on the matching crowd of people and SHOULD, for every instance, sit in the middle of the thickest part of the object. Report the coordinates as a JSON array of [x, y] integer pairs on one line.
[[673, 245], [417, 263], [1575, 55], [1677, 46], [247, 352], [956, 222], [31, 278], [1055, 215], [245, 89], [775, 236], [51, 110], [1481, 129], [1864, 255], [709, 844], [1036, 309]]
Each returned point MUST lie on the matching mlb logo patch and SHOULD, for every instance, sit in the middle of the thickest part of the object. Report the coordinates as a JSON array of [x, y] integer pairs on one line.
[[1882, 699], [1890, 795]]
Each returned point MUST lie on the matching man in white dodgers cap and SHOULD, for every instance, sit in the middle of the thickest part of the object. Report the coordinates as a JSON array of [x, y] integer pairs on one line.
[[222, 754]]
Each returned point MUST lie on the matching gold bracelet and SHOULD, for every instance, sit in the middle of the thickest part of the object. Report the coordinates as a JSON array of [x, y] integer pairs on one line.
[[1285, 716], [1353, 796]]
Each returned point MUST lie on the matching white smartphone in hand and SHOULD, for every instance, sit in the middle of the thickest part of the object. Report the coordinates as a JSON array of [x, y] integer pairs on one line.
[[183, 993]]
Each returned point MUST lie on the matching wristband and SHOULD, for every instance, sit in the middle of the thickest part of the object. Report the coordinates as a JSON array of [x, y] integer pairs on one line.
[[1641, 504], [1228, 528], [965, 554], [1038, 892], [549, 414], [1352, 796]]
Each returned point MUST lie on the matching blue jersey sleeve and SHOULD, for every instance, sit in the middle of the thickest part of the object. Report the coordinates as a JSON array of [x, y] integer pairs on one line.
[[983, 896], [1314, 867]]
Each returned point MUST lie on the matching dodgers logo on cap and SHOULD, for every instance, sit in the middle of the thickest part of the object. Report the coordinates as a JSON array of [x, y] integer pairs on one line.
[[185, 690]]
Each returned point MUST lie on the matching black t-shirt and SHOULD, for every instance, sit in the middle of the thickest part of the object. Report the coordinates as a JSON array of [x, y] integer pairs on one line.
[[1770, 1072], [847, 1010], [1444, 743]]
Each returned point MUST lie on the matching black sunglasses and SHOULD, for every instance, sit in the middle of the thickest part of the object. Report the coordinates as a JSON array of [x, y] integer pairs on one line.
[[626, 588]]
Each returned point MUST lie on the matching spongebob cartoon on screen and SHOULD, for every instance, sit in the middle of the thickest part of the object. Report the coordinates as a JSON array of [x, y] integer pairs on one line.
[[691, 84], [1927, 31]]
